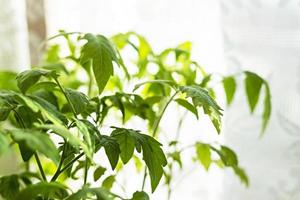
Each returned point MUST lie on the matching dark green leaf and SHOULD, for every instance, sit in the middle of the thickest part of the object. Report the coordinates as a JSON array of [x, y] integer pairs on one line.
[[204, 154], [112, 150], [99, 172], [78, 100], [28, 78], [253, 85], [188, 106], [9, 187], [140, 196], [43, 189], [83, 194], [229, 85], [36, 141], [99, 50]]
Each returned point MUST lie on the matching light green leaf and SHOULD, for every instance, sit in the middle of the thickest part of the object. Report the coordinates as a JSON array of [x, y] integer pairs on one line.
[[203, 154], [140, 196], [241, 174], [202, 98], [267, 107], [253, 84], [44, 189], [187, 105], [99, 172], [28, 78], [68, 136], [4, 144], [7, 80], [229, 85], [78, 100], [99, 50], [108, 182], [162, 82], [36, 141]]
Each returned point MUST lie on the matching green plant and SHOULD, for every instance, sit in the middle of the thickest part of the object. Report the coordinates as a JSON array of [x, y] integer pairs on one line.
[[79, 102]]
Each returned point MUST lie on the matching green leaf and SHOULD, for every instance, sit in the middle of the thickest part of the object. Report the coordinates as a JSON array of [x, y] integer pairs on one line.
[[43, 189], [202, 98], [229, 85], [140, 196], [4, 144], [83, 128], [108, 182], [99, 172], [4, 111], [126, 143], [241, 174], [36, 141], [78, 100], [28, 78], [227, 155], [253, 84], [7, 80], [187, 105], [9, 187], [43, 85], [267, 107], [162, 82], [68, 136], [99, 50], [153, 155], [85, 193], [112, 150], [204, 154]]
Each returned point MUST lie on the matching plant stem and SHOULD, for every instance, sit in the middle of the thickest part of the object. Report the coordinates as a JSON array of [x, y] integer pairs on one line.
[[71, 162], [156, 125], [62, 158], [40, 166], [85, 172], [66, 96]]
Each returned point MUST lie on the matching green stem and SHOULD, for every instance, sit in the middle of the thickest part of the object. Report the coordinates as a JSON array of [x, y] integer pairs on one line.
[[66, 96], [40, 166], [85, 172], [156, 125], [71, 162], [62, 158]]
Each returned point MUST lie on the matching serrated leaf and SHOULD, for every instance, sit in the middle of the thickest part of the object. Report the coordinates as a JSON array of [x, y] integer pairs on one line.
[[229, 85], [99, 50], [253, 84], [36, 141], [44, 189], [9, 187], [140, 196], [108, 182], [78, 100], [99, 172], [187, 105], [126, 143], [153, 155], [202, 98], [203, 154], [28, 78]]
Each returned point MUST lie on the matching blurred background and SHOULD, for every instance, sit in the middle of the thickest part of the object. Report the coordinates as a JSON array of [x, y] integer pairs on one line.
[[228, 36]]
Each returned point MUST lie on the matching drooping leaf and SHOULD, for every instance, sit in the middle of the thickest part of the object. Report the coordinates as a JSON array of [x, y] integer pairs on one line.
[[227, 155], [99, 50], [153, 155], [202, 98], [9, 187], [99, 172], [229, 85], [187, 105], [112, 150], [267, 107], [84, 193], [108, 182], [43, 189], [241, 174], [203, 154], [140, 196], [253, 84], [78, 100], [36, 141], [28, 78]]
